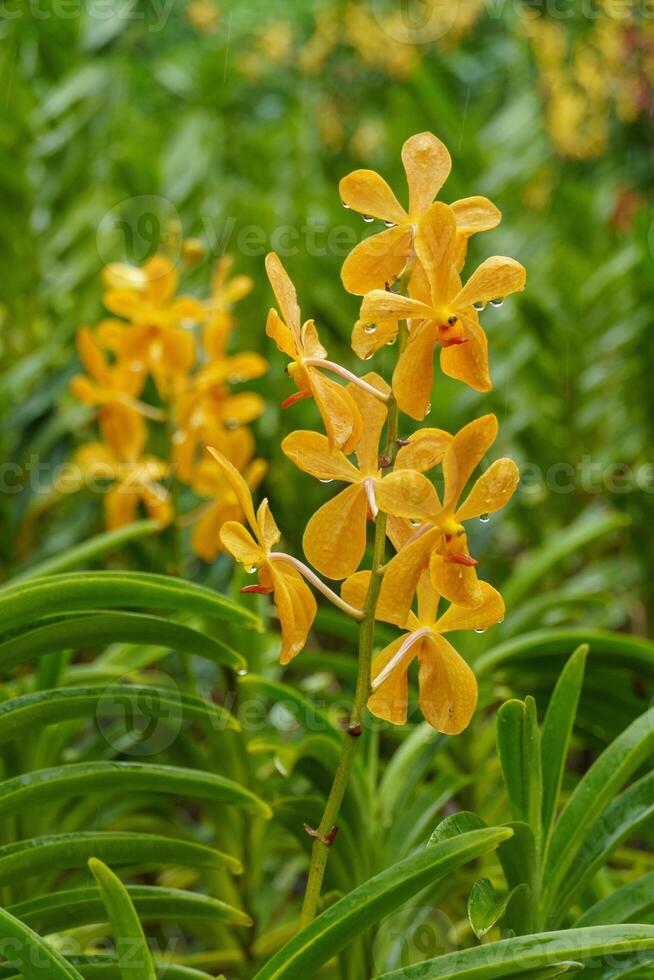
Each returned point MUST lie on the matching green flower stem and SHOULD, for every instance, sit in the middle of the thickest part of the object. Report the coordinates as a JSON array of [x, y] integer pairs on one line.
[[324, 834]]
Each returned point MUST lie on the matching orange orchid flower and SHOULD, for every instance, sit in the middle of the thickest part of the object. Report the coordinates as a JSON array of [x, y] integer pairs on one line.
[[114, 389], [155, 342], [339, 411], [225, 291], [135, 479], [379, 260], [209, 480], [447, 685], [445, 313], [147, 295], [440, 543], [295, 603], [335, 537], [209, 413]]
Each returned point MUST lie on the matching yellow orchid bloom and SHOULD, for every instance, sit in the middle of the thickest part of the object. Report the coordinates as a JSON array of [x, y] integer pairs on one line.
[[440, 543], [335, 537], [155, 341], [445, 313], [339, 411], [135, 479], [379, 260], [210, 415], [146, 295], [114, 389], [225, 291], [209, 480], [295, 603], [447, 685], [167, 353]]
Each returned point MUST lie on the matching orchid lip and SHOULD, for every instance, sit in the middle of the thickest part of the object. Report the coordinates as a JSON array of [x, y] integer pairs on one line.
[[296, 397], [369, 487], [466, 560], [397, 659]]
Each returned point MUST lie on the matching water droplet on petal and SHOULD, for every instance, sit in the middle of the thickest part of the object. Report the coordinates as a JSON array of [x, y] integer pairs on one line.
[[346, 206], [370, 328], [367, 218], [428, 409], [484, 518], [231, 424], [483, 630], [330, 480], [368, 356], [389, 224], [250, 569], [415, 522], [500, 620], [479, 307], [393, 340], [242, 672], [497, 302]]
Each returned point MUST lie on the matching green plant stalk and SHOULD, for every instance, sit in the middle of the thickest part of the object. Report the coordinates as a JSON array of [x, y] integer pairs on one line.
[[322, 842], [178, 544]]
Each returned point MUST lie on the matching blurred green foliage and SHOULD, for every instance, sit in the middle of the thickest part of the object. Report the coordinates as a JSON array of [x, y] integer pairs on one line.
[[121, 121]]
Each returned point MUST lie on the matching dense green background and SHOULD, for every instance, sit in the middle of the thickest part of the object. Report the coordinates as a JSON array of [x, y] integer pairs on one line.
[[141, 118]]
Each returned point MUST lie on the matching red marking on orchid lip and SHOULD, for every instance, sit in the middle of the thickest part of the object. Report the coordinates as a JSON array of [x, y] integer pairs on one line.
[[258, 589], [453, 341], [467, 560], [297, 397]]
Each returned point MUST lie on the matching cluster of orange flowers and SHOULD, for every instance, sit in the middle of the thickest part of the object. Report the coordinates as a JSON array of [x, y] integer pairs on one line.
[[160, 372], [409, 276]]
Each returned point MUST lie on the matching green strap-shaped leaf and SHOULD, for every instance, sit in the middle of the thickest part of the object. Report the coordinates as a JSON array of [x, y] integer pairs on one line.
[[590, 798], [632, 902], [105, 967], [82, 906], [614, 649], [23, 604], [99, 629], [557, 730], [518, 745], [132, 950], [40, 708], [370, 902], [31, 857], [622, 819], [518, 859], [486, 907], [455, 824], [33, 789], [82, 554], [25, 950], [511, 957]]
